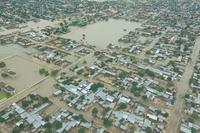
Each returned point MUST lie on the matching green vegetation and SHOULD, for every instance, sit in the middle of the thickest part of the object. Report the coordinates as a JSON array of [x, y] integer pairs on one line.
[[44, 72], [97, 53], [195, 116], [57, 124], [54, 73], [26, 103], [80, 72], [4, 75], [123, 75], [166, 115], [16, 130], [148, 130], [45, 100], [95, 87], [107, 122], [94, 112], [2, 95], [159, 88], [79, 118], [106, 110], [122, 106], [2, 64], [136, 90], [150, 73], [81, 130]]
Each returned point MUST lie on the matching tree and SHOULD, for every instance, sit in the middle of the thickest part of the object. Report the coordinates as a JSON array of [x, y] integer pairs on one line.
[[106, 110], [2, 64], [166, 115], [141, 73], [45, 100], [79, 118], [44, 72], [123, 74], [94, 112], [96, 53], [95, 87], [150, 73], [107, 122], [122, 106], [136, 90], [159, 88]]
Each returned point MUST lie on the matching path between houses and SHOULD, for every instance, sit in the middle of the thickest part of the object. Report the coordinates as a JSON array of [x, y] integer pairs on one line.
[[177, 114]]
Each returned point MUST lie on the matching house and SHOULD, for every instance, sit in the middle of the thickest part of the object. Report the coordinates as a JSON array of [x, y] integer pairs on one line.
[[9, 90]]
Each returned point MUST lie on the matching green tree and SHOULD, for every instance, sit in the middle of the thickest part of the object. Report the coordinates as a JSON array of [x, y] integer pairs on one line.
[[106, 110], [96, 86], [122, 106], [150, 73], [107, 122]]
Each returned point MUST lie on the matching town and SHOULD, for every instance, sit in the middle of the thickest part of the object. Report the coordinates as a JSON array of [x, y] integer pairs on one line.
[[99, 66]]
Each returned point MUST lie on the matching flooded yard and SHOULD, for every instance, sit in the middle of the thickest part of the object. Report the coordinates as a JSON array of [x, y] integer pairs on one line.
[[101, 34], [27, 73]]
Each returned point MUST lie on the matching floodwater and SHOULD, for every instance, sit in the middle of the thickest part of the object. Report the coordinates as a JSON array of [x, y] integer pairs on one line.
[[102, 33], [19, 60], [37, 26], [14, 49], [27, 72]]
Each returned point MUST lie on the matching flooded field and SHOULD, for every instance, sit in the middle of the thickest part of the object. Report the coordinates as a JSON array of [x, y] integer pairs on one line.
[[26, 73], [101, 34]]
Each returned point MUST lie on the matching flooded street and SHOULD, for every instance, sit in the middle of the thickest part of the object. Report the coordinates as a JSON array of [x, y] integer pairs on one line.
[[100, 34]]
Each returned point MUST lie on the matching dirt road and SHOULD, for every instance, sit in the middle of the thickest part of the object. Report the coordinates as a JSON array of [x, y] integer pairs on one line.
[[182, 86]]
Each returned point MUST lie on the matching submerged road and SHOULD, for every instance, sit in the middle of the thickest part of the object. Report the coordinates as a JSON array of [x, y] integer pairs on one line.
[[182, 86], [5, 104]]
